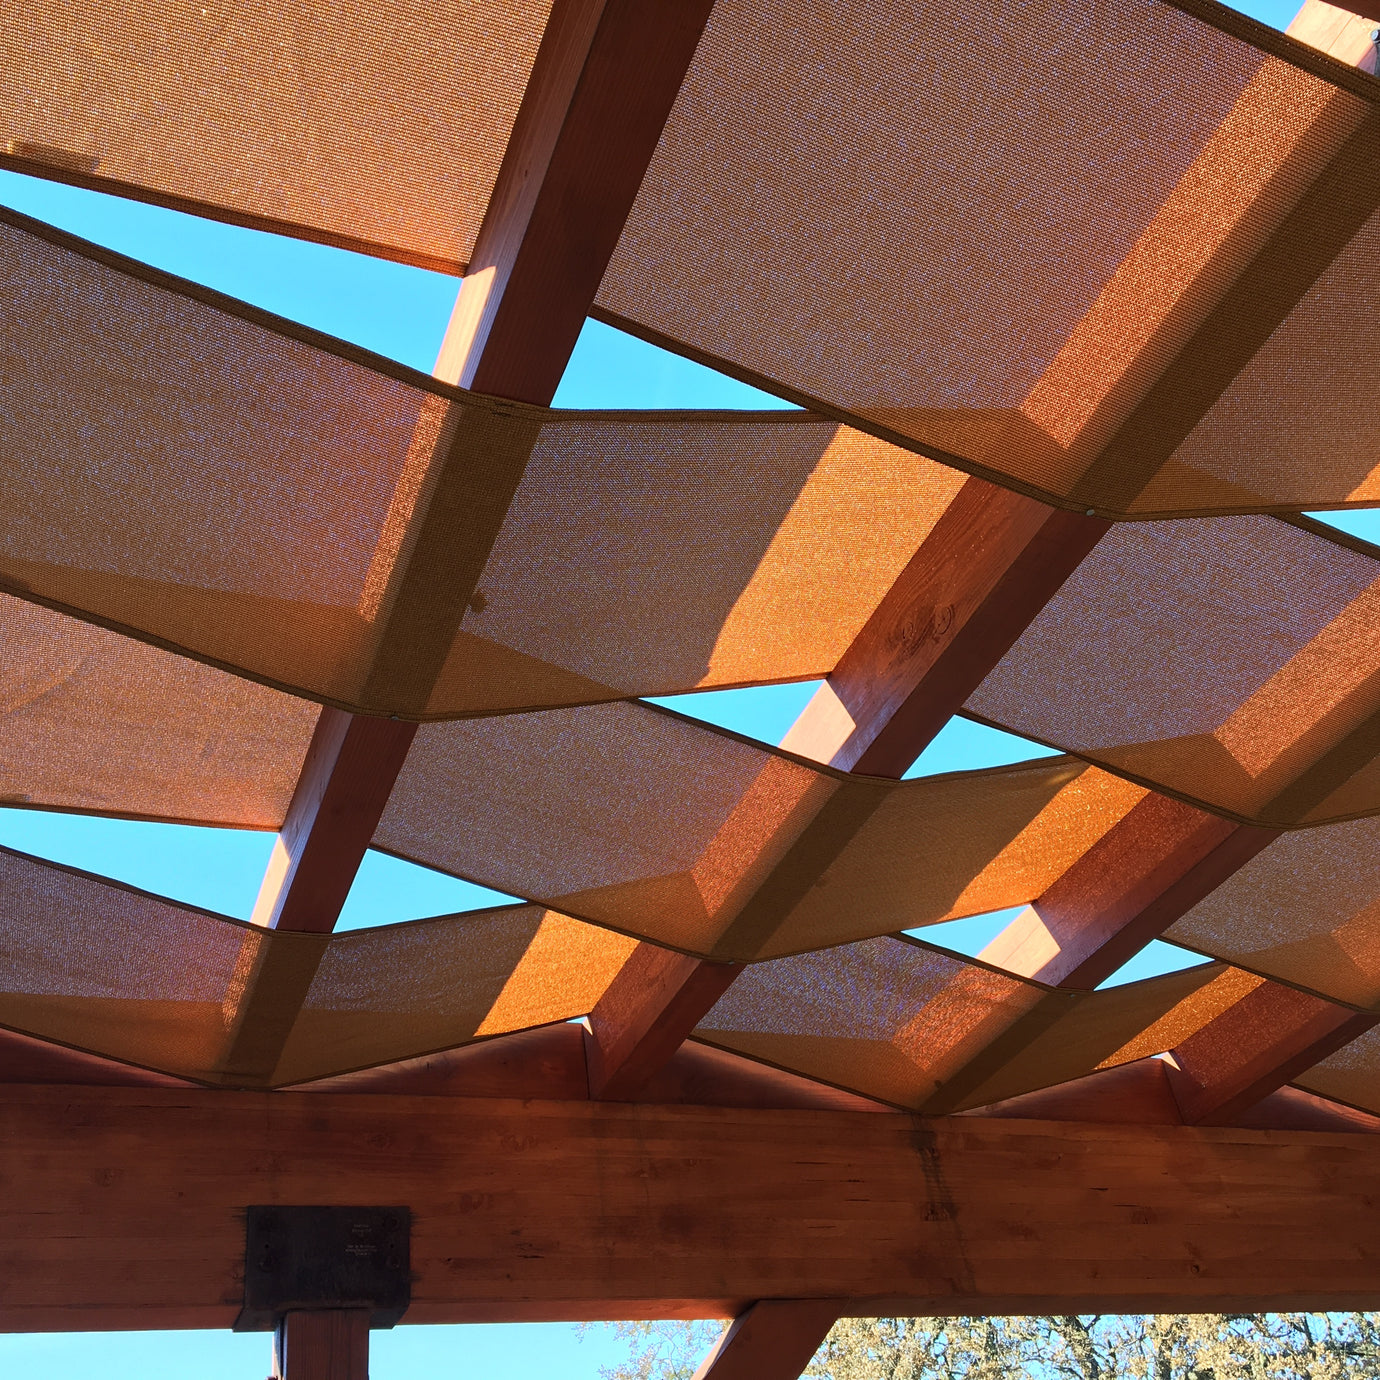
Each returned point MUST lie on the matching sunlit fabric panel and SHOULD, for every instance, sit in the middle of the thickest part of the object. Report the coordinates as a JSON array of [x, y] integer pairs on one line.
[[1233, 661], [636, 818], [133, 977], [1306, 910], [1042, 249], [93, 721], [378, 126], [283, 505], [908, 1024]]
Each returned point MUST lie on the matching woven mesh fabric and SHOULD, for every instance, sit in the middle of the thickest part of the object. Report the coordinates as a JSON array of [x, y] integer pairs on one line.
[[900, 1021], [636, 818], [1304, 910], [377, 126], [93, 721], [1351, 1075], [1232, 661], [333, 525], [1041, 249], [137, 978]]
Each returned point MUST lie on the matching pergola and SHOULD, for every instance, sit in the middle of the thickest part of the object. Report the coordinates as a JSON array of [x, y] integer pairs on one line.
[[1076, 299]]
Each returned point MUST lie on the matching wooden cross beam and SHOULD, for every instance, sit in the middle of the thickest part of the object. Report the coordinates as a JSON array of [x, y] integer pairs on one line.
[[1260, 1042], [991, 562], [602, 86], [125, 1208]]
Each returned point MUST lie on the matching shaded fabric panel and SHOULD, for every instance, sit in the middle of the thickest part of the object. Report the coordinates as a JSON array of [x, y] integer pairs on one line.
[[1023, 223], [637, 818], [1234, 661], [346, 529], [131, 976], [93, 721], [378, 126], [1351, 1075], [1305, 910], [113, 971], [896, 1020]]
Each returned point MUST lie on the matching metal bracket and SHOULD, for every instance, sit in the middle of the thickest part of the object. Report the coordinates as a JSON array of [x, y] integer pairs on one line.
[[313, 1258]]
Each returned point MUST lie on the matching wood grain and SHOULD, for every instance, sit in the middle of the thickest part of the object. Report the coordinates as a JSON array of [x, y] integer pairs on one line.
[[122, 1208], [775, 1339]]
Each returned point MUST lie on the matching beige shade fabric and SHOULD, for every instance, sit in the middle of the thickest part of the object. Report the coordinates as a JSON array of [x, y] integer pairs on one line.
[[96, 722], [377, 126], [1232, 661], [1039, 249], [1305, 910], [295, 510], [637, 818], [124, 974], [901, 1021], [1351, 1075]]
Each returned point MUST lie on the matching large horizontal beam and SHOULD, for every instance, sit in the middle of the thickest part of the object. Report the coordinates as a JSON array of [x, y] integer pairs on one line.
[[123, 1208]]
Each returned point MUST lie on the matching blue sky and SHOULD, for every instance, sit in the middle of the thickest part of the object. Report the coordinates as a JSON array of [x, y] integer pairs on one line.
[[401, 312]]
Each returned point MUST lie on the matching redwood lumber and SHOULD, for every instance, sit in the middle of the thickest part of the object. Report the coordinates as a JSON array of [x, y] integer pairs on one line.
[[601, 90], [1139, 1093], [330, 1344], [1148, 870], [122, 1208], [775, 1339], [549, 1063], [602, 85], [990, 564], [346, 779], [649, 1009], [992, 561], [1260, 1042]]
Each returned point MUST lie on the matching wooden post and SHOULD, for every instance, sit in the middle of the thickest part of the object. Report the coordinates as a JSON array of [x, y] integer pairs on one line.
[[330, 1345], [775, 1339]]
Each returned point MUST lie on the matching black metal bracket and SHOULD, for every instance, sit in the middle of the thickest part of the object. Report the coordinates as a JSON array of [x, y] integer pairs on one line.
[[308, 1258]]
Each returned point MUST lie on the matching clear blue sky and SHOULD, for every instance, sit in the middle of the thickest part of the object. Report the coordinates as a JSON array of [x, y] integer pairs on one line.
[[400, 312]]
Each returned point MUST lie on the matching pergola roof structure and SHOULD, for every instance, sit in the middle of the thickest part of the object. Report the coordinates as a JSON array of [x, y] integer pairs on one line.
[[1076, 299]]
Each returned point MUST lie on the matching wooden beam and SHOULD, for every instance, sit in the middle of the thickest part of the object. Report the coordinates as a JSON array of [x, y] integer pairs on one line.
[[123, 1208], [648, 1011], [990, 564], [775, 1339], [1147, 871], [1139, 1093], [992, 561], [346, 780], [1257, 1045], [332, 1344], [605, 77]]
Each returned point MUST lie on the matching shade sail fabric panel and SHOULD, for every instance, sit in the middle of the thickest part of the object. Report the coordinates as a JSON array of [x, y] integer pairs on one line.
[[897, 1020], [1232, 661], [1351, 1075], [93, 721], [189, 470], [133, 977], [1036, 247], [375, 126], [1306, 910], [636, 818]]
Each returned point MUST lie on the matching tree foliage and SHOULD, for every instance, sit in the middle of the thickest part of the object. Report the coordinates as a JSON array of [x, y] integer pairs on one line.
[[1273, 1346]]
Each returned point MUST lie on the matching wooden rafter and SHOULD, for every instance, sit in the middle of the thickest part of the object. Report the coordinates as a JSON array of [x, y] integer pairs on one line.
[[132, 1203], [992, 561], [605, 78], [1270, 1035]]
